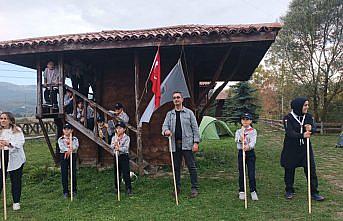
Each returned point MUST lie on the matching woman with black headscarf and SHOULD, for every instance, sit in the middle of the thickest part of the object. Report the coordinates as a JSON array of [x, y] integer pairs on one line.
[[299, 125]]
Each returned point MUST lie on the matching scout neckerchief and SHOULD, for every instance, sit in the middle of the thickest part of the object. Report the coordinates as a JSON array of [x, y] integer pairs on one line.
[[119, 139], [301, 141], [246, 132]]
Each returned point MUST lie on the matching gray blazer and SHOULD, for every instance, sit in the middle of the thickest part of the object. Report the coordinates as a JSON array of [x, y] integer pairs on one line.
[[189, 125]]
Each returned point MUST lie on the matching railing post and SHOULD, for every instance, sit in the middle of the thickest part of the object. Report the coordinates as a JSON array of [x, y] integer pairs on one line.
[[61, 83], [139, 127], [321, 127], [39, 87]]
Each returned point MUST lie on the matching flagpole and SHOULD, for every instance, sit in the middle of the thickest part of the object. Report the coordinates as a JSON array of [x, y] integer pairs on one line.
[[147, 80]]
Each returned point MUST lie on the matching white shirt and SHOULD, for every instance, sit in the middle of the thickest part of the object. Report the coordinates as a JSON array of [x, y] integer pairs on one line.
[[16, 151]]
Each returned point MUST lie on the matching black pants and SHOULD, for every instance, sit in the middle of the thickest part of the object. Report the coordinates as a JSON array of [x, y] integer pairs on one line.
[[15, 176], [90, 123], [191, 165], [69, 108], [289, 179], [250, 159], [124, 170], [65, 163], [50, 96]]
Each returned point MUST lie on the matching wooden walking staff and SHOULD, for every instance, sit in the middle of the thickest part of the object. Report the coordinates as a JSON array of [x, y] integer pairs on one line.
[[4, 181], [173, 168], [308, 171], [71, 167], [117, 165], [244, 172]]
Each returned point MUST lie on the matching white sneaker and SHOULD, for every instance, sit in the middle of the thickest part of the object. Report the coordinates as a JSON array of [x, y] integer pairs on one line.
[[241, 196], [254, 196], [16, 206]]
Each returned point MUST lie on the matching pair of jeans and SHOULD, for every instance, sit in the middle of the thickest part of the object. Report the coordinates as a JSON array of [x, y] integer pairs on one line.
[[65, 164], [250, 159], [15, 176], [190, 162], [124, 170], [289, 179]]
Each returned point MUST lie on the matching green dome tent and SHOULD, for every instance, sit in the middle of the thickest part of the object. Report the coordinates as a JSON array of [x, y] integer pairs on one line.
[[210, 128]]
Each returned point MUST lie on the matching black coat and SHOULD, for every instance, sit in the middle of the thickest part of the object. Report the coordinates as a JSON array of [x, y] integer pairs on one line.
[[294, 154]]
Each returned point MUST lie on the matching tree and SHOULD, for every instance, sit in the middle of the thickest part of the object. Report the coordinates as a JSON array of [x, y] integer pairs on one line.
[[309, 50], [243, 100]]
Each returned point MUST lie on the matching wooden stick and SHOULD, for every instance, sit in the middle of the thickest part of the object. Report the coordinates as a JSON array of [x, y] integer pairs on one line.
[[308, 176], [173, 169], [71, 167], [4, 182], [117, 165], [244, 173]]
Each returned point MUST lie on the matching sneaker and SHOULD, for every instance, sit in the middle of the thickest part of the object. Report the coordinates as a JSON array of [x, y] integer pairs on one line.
[[289, 195], [16, 206], [194, 193], [254, 196], [75, 194], [55, 106], [241, 196], [317, 197], [65, 195]]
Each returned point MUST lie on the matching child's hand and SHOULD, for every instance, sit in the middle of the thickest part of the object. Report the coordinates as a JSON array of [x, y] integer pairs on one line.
[[246, 148], [307, 134]]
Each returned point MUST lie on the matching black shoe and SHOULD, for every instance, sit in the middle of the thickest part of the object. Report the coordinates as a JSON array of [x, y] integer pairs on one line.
[[194, 193], [65, 195], [129, 192], [317, 197], [178, 192], [289, 195]]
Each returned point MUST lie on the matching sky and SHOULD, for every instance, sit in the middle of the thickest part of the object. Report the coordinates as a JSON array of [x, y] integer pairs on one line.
[[37, 18]]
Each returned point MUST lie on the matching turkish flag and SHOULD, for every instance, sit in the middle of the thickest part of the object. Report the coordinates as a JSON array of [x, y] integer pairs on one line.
[[155, 78]]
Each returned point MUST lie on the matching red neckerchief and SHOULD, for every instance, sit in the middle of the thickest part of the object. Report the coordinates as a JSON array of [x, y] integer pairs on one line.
[[246, 132]]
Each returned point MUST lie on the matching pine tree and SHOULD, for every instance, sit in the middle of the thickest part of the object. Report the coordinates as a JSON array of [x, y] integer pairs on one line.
[[244, 100]]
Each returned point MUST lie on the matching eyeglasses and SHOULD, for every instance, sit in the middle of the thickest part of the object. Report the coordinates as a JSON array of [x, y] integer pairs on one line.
[[176, 97]]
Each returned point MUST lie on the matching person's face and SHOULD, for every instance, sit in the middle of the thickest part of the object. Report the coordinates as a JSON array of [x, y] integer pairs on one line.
[[305, 107], [246, 122], [177, 99], [4, 121], [118, 110], [67, 131], [79, 105], [120, 130], [51, 65]]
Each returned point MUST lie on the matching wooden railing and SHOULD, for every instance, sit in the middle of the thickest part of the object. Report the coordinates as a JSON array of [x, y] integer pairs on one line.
[[97, 111], [35, 129], [321, 127]]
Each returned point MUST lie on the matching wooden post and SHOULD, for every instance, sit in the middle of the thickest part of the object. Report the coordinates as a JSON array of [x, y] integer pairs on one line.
[[61, 83], [139, 127], [39, 87]]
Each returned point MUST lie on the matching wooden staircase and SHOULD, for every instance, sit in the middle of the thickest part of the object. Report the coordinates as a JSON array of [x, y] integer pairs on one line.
[[60, 116]]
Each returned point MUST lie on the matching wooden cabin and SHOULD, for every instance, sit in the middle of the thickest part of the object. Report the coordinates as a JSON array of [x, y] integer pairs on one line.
[[116, 64]]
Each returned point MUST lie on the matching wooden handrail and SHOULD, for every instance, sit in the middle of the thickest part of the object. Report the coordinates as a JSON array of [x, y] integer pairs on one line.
[[97, 106]]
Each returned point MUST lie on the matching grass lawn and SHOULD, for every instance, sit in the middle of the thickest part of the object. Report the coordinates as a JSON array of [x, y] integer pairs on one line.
[[218, 200]]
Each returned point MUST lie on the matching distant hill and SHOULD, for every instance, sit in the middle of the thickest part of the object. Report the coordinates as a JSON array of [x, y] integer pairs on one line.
[[18, 99]]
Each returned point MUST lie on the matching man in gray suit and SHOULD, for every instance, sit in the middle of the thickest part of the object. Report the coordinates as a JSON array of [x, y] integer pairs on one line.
[[180, 123]]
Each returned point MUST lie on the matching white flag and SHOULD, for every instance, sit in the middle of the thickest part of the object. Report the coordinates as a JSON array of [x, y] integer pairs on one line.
[[175, 81]]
